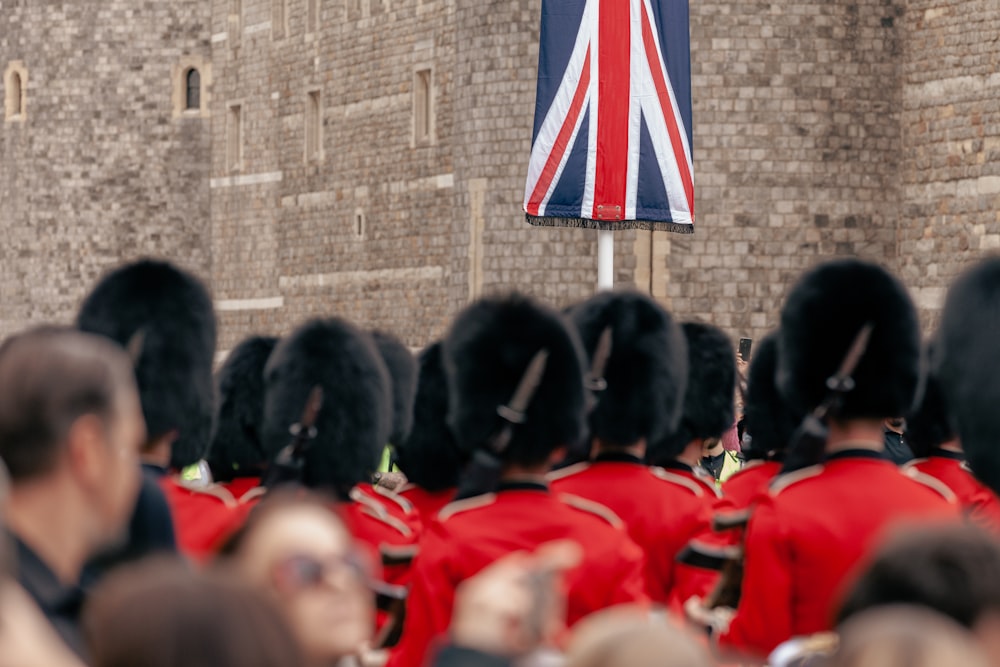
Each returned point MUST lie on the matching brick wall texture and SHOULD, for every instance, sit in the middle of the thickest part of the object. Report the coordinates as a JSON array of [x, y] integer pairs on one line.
[[822, 128]]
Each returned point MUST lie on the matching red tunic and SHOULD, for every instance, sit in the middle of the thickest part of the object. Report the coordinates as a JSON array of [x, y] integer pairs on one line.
[[427, 503], [740, 493], [810, 536], [373, 522], [202, 516], [977, 500], [471, 534], [397, 506], [240, 486], [639, 495]]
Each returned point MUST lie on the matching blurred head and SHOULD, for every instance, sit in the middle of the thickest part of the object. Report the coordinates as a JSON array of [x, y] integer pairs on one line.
[[769, 421], [930, 425], [162, 614], [237, 450], [70, 418], [168, 314], [626, 637], [711, 384], [967, 365], [645, 373], [429, 457], [355, 418], [820, 320], [402, 369], [295, 548], [487, 352], [954, 570], [905, 637]]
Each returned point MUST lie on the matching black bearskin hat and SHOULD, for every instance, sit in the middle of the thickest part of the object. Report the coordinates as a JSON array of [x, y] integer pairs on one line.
[[356, 413], [930, 425], [646, 372], [708, 402], [429, 457], [486, 353], [768, 419], [170, 313], [237, 450], [402, 369], [968, 366], [825, 311]]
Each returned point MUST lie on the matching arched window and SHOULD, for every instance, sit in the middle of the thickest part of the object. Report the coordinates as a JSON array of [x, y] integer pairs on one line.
[[192, 95]]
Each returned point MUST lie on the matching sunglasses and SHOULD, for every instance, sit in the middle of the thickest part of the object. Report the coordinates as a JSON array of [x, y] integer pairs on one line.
[[301, 571]]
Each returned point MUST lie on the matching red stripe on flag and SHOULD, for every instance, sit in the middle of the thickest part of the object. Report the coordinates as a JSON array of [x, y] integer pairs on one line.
[[562, 140], [613, 98], [668, 110]]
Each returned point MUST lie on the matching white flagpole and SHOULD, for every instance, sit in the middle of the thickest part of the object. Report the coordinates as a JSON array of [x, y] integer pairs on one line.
[[605, 259]]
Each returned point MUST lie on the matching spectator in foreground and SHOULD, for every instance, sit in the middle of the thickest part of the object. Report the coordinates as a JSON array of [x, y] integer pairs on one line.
[[294, 548], [905, 637], [70, 430], [159, 613], [953, 570]]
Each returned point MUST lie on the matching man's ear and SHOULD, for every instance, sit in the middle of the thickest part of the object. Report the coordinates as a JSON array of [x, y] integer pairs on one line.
[[85, 444]]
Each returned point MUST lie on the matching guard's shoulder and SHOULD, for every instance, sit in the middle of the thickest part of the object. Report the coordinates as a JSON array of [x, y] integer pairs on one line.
[[373, 509], [913, 464], [932, 483], [466, 505], [215, 491], [568, 471], [393, 497], [697, 487], [591, 507], [785, 481]]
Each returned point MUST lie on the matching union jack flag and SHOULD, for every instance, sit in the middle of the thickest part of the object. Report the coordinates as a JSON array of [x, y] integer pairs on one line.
[[612, 137]]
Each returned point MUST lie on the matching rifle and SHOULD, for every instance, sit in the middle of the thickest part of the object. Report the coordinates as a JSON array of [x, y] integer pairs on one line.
[[287, 466], [806, 449]]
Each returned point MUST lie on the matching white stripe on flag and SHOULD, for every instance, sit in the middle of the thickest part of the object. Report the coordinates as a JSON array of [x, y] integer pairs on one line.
[[557, 114], [592, 21], [637, 89]]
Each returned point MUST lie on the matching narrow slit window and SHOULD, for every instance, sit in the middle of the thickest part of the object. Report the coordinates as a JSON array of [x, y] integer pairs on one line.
[[279, 14], [359, 224], [312, 15], [423, 106], [314, 126], [234, 137], [192, 94], [17, 95]]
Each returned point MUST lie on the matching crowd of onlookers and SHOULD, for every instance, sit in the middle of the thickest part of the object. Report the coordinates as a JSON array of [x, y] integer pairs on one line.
[[601, 486]]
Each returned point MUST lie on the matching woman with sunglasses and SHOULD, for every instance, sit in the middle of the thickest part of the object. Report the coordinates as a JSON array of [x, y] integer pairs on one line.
[[295, 548]]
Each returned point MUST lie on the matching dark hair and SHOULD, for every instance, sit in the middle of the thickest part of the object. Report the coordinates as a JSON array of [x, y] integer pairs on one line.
[[954, 570], [769, 420], [429, 457], [160, 613], [170, 311], [237, 450], [274, 502], [49, 378], [930, 425]]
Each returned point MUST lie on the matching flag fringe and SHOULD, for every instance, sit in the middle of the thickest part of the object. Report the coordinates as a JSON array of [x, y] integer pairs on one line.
[[610, 225]]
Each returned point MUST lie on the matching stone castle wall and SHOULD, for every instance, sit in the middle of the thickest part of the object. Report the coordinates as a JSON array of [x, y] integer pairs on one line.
[[822, 128], [99, 169]]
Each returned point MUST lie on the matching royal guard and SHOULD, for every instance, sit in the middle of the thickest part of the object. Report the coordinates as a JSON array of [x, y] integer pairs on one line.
[[639, 370], [430, 458], [164, 317], [236, 456], [516, 384], [402, 369], [352, 423], [769, 425], [939, 454], [707, 413], [849, 357], [967, 367]]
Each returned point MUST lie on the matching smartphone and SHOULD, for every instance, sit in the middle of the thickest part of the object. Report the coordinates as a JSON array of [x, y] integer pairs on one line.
[[745, 345]]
